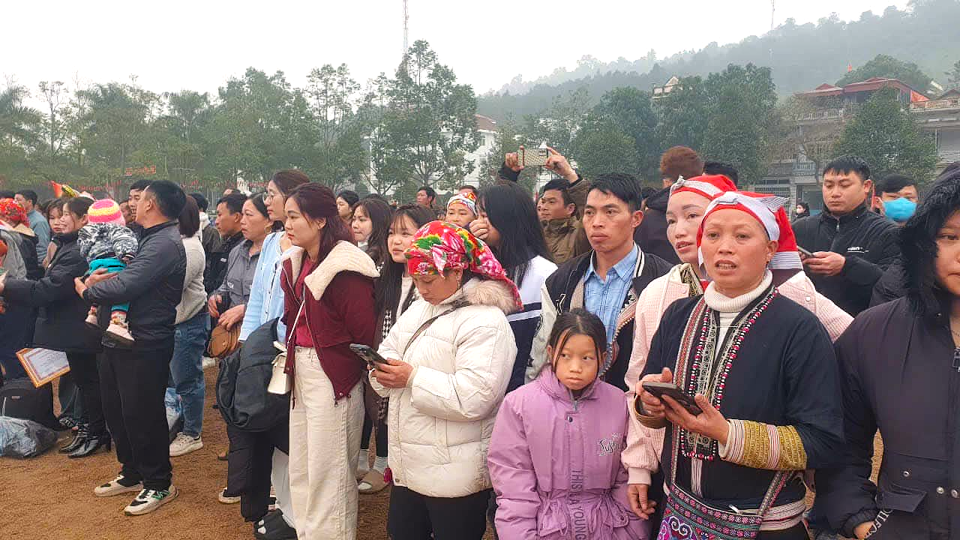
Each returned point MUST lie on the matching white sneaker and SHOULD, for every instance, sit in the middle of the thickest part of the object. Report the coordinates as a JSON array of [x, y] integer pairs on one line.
[[149, 500], [116, 486], [184, 444], [120, 333]]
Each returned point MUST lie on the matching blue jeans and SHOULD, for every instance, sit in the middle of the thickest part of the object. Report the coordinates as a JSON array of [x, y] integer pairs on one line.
[[186, 370]]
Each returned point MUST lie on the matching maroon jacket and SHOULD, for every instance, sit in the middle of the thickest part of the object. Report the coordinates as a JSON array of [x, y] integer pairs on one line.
[[339, 311]]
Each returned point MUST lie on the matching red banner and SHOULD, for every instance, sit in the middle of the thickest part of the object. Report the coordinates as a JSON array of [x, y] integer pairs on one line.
[[140, 171]]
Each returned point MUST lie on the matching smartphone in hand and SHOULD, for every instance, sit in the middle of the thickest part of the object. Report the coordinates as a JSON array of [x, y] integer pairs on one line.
[[370, 356], [661, 389]]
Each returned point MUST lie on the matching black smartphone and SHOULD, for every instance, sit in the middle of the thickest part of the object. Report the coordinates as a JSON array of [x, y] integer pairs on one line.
[[370, 356], [661, 389], [804, 252]]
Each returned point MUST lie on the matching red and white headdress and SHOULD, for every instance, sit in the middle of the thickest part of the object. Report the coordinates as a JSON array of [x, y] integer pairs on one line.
[[768, 210], [709, 186]]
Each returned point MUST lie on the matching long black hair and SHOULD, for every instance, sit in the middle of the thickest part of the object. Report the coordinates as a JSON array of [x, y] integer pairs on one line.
[[510, 209], [381, 215], [578, 322], [918, 245], [387, 292]]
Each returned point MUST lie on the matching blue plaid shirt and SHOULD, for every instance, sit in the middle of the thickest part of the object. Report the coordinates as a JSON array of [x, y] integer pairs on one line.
[[605, 298]]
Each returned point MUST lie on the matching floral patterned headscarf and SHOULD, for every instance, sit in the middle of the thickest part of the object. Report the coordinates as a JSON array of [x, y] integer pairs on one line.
[[438, 247], [15, 217]]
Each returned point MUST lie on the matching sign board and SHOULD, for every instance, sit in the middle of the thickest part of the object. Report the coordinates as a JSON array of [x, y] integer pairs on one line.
[[43, 365]]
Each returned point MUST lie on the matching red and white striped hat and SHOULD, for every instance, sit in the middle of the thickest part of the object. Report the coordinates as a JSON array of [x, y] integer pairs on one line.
[[768, 210], [710, 186]]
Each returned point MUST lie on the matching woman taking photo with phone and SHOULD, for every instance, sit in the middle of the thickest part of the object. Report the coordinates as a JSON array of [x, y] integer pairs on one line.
[[450, 357], [394, 293], [61, 327], [328, 290], [265, 305], [685, 210], [524, 256], [746, 350]]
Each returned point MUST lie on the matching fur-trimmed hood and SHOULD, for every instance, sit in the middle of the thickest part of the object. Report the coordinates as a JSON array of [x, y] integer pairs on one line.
[[486, 292], [344, 257]]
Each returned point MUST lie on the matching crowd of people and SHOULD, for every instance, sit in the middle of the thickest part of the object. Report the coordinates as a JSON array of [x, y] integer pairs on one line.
[[595, 360]]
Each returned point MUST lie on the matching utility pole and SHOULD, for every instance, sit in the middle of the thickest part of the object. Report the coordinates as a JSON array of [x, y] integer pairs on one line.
[[406, 32]]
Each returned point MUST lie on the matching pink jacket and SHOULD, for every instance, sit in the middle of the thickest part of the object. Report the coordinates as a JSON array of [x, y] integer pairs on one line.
[[644, 446], [555, 464]]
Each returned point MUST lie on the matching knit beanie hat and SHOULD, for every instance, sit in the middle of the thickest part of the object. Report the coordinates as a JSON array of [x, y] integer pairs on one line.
[[106, 211]]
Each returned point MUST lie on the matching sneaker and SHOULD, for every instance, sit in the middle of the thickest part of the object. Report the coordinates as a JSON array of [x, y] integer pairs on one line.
[[119, 333], [149, 500], [208, 362], [118, 485], [184, 444], [372, 483], [226, 499]]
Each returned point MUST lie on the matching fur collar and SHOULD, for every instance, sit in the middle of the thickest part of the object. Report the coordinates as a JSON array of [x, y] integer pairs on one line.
[[486, 292], [344, 257]]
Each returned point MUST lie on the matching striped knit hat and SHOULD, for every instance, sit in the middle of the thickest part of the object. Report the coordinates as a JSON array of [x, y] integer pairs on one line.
[[106, 211]]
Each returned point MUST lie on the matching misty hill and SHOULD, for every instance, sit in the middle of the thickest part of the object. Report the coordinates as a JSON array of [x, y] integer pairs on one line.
[[801, 57]]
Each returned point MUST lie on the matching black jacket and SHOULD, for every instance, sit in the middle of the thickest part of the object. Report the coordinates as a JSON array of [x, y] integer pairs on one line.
[[152, 283], [898, 374], [60, 320], [869, 243], [651, 235], [216, 270], [562, 283], [890, 286], [28, 250]]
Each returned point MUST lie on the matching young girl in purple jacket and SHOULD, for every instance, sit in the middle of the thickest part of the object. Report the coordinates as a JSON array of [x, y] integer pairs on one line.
[[555, 453]]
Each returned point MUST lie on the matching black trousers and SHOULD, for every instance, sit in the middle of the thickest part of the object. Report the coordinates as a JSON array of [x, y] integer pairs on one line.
[[249, 465], [413, 516], [133, 384], [381, 441], [84, 368]]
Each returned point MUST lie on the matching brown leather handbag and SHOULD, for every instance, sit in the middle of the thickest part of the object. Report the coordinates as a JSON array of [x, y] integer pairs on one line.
[[223, 341]]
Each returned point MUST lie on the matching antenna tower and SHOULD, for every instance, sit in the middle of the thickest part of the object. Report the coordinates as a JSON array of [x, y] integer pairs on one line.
[[406, 29], [773, 11]]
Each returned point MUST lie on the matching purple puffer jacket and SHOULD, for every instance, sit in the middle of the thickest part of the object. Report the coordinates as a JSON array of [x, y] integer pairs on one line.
[[555, 464]]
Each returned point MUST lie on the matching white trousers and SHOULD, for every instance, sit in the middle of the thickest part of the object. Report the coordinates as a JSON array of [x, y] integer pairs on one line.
[[280, 478], [324, 444]]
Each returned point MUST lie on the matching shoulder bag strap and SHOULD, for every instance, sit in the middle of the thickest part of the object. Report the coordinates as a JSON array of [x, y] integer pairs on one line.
[[425, 325]]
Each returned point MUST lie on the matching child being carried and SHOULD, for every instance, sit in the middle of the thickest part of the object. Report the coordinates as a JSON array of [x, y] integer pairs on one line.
[[107, 243]]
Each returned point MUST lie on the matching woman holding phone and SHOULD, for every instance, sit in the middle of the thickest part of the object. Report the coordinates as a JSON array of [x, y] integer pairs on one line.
[[689, 199], [746, 350]]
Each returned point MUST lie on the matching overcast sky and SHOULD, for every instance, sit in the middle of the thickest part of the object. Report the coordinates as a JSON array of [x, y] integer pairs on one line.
[[175, 44]]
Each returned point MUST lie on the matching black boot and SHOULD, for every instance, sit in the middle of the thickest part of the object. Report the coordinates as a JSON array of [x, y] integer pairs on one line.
[[78, 440], [91, 445]]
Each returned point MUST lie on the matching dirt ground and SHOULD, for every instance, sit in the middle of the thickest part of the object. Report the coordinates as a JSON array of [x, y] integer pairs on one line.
[[51, 497]]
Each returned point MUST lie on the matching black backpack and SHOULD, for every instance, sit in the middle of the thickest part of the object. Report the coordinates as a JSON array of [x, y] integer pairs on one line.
[[242, 396], [20, 399]]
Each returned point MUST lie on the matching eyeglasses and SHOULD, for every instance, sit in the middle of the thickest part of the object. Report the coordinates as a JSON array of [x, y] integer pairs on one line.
[[266, 196]]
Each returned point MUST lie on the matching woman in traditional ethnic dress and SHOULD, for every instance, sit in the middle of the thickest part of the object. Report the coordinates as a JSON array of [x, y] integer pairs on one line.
[[762, 370]]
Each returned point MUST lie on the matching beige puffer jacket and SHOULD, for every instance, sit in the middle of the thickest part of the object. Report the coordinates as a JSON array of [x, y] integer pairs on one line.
[[440, 424]]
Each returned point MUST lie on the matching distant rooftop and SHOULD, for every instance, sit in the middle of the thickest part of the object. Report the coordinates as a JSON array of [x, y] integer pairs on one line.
[[485, 123], [870, 85]]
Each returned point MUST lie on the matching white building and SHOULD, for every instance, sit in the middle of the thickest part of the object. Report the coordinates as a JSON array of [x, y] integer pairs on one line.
[[487, 137]]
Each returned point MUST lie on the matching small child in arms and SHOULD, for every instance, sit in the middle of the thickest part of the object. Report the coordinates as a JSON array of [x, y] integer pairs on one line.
[[107, 243]]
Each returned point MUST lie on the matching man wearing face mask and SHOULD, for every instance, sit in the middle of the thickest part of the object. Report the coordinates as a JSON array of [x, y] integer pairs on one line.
[[897, 198]]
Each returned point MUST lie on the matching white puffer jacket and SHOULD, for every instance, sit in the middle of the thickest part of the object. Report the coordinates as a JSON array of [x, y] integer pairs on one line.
[[440, 424]]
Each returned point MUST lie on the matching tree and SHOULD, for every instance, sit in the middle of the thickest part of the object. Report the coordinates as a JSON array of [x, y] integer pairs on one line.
[[682, 115], [792, 136], [953, 77], [629, 112], [508, 139], [338, 156], [888, 138], [741, 102], [557, 125], [429, 125], [889, 67], [604, 148]]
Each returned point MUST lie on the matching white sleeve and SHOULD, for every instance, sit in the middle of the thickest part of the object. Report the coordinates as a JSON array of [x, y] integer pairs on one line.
[[538, 349]]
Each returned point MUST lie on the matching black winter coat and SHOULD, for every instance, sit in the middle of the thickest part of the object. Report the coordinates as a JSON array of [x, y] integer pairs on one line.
[[869, 243], [890, 286], [216, 270], [898, 375], [651, 235], [60, 320], [152, 283]]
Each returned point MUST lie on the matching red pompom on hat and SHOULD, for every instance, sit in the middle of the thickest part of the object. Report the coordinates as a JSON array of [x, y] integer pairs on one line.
[[710, 186]]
